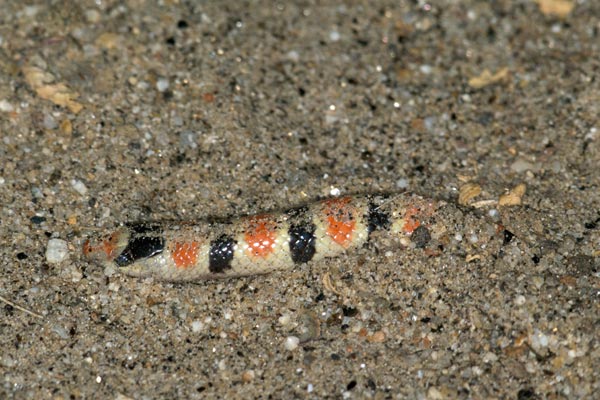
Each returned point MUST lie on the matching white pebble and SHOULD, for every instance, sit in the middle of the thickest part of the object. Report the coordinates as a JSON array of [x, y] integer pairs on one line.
[[538, 340], [520, 300], [5, 106], [49, 122], [402, 183], [60, 331], [425, 69], [293, 56], [162, 84], [285, 319], [79, 186], [334, 36], [521, 165], [57, 251], [291, 343], [31, 11], [489, 357], [197, 326], [92, 16]]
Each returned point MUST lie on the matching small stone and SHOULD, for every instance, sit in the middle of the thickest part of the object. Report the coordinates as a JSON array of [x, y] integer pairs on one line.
[[188, 139], [5, 106], [50, 122], [377, 337], [57, 251], [79, 186], [538, 340], [291, 343], [108, 40], [60, 331], [402, 183], [197, 326], [92, 16], [66, 127], [37, 219], [425, 69], [420, 237], [248, 376], [293, 56], [162, 84], [520, 166], [285, 319], [489, 357], [434, 394]]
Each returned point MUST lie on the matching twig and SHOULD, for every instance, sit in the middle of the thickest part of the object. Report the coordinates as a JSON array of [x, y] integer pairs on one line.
[[18, 307]]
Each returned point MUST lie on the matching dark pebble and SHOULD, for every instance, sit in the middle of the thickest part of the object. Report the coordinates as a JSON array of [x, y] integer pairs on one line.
[[36, 220], [420, 237]]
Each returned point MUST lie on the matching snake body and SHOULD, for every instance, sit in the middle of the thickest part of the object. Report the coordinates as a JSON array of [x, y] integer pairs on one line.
[[261, 243]]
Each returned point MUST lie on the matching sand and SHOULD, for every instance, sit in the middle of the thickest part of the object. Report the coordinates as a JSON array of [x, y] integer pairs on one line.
[[113, 112]]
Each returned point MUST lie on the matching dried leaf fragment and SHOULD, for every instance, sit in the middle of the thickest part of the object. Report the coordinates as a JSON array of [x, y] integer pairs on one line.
[[377, 337], [108, 40], [328, 283], [557, 8], [472, 257], [513, 197], [43, 84], [487, 78], [467, 192]]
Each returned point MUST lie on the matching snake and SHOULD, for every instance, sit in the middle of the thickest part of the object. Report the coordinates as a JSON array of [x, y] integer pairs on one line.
[[180, 251]]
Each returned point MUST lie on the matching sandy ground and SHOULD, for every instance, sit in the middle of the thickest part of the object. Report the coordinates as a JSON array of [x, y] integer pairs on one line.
[[115, 112]]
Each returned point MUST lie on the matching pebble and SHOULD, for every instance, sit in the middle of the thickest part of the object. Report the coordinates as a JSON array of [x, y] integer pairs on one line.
[[538, 339], [57, 251], [248, 376], [521, 165], [425, 69], [490, 357], [197, 326], [79, 186], [5, 106], [50, 122], [162, 84], [60, 331], [285, 319], [520, 300], [291, 343], [293, 56], [188, 139], [92, 15], [402, 183]]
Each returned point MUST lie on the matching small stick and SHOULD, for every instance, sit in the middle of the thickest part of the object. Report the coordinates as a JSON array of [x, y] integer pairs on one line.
[[18, 307]]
